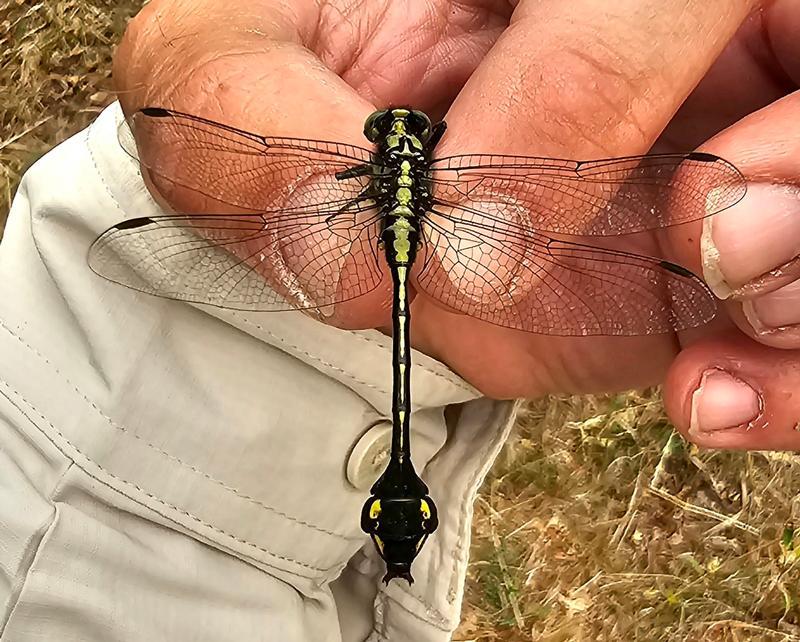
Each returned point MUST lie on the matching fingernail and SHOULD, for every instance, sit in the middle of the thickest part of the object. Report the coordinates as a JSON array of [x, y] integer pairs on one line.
[[757, 235], [775, 310], [721, 402]]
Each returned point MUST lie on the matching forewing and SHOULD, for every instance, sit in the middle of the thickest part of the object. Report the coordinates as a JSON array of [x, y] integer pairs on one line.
[[234, 167], [591, 198], [490, 270]]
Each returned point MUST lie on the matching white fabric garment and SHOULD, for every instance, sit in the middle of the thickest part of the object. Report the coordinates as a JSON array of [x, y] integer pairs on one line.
[[179, 473]]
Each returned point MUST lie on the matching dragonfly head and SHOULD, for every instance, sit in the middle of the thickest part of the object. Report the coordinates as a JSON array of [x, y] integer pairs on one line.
[[386, 123]]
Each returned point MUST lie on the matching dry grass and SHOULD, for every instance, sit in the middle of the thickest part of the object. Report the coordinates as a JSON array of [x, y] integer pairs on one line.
[[55, 62], [601, 523], [597, 523]]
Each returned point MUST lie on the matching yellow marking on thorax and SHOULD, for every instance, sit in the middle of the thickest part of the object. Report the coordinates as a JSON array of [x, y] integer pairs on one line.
[[400, 139], [403, 194]]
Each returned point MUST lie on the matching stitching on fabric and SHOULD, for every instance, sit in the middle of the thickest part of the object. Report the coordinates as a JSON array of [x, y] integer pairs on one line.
[[377, 635], [380, 615], [216, 529], [341, 371], [172, 457], [102, 178], [309, 355]]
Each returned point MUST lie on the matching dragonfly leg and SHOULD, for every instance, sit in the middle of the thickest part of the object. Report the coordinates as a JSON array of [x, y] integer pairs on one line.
[[365, 169], [436, 134], [367, 192]]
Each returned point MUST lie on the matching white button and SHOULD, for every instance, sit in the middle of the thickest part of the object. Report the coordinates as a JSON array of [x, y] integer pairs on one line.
[[370, 455]]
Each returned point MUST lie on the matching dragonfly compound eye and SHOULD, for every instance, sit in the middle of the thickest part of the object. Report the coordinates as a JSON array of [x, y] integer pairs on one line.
[[377, 124], [420, 124]]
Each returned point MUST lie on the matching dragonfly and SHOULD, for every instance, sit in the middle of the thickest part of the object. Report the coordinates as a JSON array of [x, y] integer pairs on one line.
[[514, 241]]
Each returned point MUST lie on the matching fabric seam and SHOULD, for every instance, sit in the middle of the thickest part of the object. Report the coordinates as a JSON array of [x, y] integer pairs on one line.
[[124, 482], [314, 357], [168, 455], [16, 594]]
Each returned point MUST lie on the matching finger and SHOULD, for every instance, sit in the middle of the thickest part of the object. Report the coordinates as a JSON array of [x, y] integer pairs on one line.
[[783, 24], [244, 64], [589, 79], [731, 392], [750, 251], [586, 79], [765, 52], [411, 53], [388, 53]]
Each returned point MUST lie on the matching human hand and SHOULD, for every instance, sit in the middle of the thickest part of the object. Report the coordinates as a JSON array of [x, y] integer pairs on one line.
[[578, 80]]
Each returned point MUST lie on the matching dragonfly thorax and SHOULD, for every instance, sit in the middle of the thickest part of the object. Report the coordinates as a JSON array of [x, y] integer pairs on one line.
[[402, 137]]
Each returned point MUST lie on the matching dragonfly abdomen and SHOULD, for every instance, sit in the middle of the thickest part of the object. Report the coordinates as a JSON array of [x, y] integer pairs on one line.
[[402, 209]]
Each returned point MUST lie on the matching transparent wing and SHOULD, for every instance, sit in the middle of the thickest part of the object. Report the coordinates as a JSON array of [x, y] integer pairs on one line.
[[235, 167], [299, 260], [482, 267], [591, 198], [278, 230]]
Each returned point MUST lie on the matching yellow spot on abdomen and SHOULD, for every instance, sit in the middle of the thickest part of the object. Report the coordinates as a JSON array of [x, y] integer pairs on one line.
[[401, 245], [402, 331]]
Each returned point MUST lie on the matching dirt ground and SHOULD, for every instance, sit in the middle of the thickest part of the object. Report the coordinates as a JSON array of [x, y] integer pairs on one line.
[[598, 521]]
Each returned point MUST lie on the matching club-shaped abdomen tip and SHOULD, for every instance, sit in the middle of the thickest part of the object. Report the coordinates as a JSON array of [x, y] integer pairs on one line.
[[401, 574]]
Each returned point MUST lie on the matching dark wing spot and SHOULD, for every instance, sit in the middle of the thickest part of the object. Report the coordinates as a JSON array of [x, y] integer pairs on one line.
[[133, 223], [677, 269], [702, 156], [155, 112]]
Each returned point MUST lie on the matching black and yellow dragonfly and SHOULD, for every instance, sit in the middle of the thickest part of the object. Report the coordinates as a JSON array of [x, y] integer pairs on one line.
[[533, 244]]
